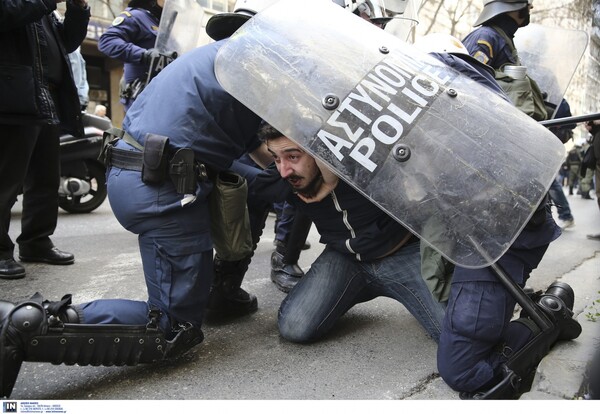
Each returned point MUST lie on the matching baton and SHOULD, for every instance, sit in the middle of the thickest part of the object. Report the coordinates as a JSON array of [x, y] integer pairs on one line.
[[528, 305], [570, 120]]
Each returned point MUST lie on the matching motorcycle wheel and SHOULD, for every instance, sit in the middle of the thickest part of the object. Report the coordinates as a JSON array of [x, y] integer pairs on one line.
[[91, 201]]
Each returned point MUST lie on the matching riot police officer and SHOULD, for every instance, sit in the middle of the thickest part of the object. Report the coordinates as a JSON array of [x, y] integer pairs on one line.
[[131, 39], [498, 20], [480, 308]]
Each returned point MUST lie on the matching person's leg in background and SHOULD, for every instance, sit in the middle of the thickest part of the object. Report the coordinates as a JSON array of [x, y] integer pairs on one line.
[[586, 183], [40, 202], [596, 236], [16, 146], [557, 195]]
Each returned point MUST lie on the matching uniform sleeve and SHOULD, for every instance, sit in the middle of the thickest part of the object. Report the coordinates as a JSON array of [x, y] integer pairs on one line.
[[267, 185], [481, 45], [118, 42], [74, 28]]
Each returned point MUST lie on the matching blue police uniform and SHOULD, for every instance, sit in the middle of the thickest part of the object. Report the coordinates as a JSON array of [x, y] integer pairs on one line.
[[131, 34], [488, 46], [173, 229]]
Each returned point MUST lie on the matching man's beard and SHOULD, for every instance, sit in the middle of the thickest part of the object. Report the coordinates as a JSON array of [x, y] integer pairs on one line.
[[312, 188], [525, 15]]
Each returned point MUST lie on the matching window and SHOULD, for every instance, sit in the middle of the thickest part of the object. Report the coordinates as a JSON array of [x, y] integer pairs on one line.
[[218, 5], [107, 9]]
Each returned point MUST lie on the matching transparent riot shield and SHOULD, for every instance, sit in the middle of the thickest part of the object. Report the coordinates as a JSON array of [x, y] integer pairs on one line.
[[450, 160], [551, 55], [405, 17], [179, 31]]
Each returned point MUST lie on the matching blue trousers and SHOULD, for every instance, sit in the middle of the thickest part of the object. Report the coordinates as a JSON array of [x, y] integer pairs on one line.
[[176, 249], [336, 282], [285, 219], [479, 312]]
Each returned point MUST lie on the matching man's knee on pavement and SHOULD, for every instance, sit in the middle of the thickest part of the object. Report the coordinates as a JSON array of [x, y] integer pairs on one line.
[[299, 330]]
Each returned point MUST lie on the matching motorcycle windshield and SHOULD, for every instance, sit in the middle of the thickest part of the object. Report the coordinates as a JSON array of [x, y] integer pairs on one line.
[[180, 26], [551, 55], [446, 157]]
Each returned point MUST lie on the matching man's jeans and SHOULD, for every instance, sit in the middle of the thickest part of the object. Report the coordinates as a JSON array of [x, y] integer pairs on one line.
[[336, 282], [559, 199]]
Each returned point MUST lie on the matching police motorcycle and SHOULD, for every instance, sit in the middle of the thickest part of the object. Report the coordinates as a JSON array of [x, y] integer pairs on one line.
[[423, 142], [82, 186]]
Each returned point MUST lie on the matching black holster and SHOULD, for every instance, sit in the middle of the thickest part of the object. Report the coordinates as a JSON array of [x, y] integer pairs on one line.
[[184, 170]]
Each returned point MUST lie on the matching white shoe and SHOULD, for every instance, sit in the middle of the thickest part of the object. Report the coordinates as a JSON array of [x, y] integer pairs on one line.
[[563, 224]]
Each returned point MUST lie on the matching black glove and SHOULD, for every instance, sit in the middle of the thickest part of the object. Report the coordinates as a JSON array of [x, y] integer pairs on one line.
[[594, 127], [148, 55]]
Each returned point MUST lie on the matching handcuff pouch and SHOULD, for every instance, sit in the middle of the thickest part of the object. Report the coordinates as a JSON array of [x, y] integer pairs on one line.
[[155, 159]]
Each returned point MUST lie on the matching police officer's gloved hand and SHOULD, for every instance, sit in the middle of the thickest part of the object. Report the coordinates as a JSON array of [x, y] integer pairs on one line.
[[148, 55], [595, 128], [171, 55]]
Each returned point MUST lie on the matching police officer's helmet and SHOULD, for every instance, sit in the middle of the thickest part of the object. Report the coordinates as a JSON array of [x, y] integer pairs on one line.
[[492, 8], [379, 12], [223, 25], [142, 4]]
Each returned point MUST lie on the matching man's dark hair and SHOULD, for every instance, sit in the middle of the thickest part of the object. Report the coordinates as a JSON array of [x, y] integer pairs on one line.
[[266, 132]]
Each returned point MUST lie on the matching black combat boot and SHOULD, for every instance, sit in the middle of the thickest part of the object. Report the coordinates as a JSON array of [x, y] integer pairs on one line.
[[284, 275], [227, 298], [285, 272]]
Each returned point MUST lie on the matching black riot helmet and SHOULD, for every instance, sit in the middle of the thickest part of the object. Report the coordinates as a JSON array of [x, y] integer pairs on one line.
[[493, 8], [151, 5], [223, 25]]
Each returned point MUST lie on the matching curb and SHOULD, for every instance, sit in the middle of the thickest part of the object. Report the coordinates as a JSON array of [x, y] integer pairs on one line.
[[562, 373]]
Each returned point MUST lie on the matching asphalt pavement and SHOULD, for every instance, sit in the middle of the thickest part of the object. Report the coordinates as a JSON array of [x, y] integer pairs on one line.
[[376, 352]]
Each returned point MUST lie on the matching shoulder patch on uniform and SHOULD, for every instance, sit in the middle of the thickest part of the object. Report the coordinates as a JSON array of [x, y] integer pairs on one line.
[[118, 20], [482, 57], [155, 28], [488, 45]]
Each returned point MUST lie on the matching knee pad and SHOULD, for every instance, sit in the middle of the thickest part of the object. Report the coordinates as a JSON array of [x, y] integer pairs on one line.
[[27, 318]]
